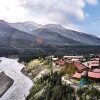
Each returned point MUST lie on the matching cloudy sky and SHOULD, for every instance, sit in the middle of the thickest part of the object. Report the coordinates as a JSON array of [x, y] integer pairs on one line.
[[82, 15]]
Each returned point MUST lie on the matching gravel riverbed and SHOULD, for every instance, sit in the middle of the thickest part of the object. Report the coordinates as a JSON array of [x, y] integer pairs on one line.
[[22, 84]]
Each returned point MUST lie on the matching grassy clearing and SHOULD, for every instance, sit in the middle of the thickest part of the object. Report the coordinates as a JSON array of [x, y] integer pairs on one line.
[[35, 66]]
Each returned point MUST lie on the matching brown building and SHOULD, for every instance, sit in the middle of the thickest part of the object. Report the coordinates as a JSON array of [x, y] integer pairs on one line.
[[79, 67]]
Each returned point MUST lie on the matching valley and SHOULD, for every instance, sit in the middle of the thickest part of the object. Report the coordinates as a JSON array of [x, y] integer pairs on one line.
[[37, 46]]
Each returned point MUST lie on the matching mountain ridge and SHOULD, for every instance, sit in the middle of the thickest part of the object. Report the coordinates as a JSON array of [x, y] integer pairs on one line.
[[71, 34], [51, 34], [12, 37]]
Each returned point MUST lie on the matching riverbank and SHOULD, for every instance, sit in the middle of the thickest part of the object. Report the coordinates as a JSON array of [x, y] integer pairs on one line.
[[34, 67], [23, 71], [5, 83]]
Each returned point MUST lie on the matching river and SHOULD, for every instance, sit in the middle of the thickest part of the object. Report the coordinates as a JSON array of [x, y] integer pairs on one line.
[[21, 85]]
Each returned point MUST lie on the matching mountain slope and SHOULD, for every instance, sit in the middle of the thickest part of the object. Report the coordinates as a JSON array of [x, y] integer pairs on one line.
[[11, 37], [29, 27], [54, 38], [78, 36], [30, 33]]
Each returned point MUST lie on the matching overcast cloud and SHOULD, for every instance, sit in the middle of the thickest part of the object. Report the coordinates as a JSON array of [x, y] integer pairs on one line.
[[64, 12]]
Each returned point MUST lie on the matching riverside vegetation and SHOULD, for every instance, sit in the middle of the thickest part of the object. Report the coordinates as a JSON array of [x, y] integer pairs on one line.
[[49, 86]]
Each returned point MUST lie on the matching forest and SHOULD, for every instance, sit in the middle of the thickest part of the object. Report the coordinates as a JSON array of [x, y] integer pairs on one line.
[[25, 54]]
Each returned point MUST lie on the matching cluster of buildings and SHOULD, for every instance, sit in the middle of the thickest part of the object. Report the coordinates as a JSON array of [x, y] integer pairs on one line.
[[90, 69], [66, 59]]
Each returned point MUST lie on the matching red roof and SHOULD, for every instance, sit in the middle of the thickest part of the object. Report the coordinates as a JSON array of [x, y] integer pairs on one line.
[[77, 75], [79, 66], [90, 74], [94, 75]]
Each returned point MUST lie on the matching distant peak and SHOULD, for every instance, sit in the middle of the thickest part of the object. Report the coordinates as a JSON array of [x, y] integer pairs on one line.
[[54, 25], [4, 24], [30, 22], [2, 21], [58, 26]]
